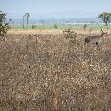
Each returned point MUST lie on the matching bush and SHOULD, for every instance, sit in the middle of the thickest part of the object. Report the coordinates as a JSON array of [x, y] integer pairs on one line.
[[84, 27], [55, 26], [68, 33], [4, 26], [34, 26]]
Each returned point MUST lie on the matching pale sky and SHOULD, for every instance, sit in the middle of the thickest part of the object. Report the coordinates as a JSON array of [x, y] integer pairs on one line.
[[55, 8]]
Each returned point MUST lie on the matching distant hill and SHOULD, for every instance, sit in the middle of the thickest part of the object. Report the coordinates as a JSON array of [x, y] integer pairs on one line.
[[18, 21]]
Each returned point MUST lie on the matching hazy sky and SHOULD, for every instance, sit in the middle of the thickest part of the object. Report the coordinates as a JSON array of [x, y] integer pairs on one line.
[[55, 8]]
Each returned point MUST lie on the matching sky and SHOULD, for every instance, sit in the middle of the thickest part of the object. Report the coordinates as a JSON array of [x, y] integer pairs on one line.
[[55, 8]]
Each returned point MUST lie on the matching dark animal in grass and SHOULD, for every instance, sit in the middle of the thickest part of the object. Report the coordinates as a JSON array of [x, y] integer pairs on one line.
[[96, 39]]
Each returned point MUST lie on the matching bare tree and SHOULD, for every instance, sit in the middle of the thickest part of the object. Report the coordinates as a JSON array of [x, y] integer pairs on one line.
[[27, 15], [23, 21]]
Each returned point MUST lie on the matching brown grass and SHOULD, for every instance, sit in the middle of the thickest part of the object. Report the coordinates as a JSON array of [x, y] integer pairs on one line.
[[48, 72]]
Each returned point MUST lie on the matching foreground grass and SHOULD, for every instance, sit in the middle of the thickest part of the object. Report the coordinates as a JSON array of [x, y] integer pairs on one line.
[[48, 72]]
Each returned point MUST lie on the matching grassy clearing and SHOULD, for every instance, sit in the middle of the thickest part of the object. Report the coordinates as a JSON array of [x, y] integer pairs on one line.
[[40, 27], [64, 26], [48, 72]]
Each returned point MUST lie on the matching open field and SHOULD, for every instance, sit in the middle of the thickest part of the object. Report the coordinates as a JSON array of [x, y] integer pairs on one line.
[[61, 26], [41, 70]]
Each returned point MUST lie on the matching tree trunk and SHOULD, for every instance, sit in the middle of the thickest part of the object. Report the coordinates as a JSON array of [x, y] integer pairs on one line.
[[27, 22], [106, 25], [23, 22]]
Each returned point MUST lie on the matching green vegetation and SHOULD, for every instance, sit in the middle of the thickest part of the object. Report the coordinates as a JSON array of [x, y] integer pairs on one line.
[[4, 26], [106, 18], [85, 26], [34, 26], [70, 34], [55, 26], [61, 27]]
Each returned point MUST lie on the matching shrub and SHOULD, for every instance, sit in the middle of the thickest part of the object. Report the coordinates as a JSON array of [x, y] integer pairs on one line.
[[85, 26], [34, 26], [55, 26], [68, 33], [4, 26]]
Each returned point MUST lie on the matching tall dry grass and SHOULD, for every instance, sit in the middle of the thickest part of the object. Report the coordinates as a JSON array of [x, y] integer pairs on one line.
[[50, 73]]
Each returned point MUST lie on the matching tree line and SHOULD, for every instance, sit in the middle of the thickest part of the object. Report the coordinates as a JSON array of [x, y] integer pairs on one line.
[[4, 26]]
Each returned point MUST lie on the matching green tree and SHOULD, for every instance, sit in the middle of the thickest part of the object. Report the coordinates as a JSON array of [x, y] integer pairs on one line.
[[4, 26], [27, 15], [106, 18]]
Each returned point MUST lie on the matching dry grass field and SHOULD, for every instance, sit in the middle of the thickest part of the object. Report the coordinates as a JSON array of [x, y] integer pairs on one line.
[[44, 71]]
